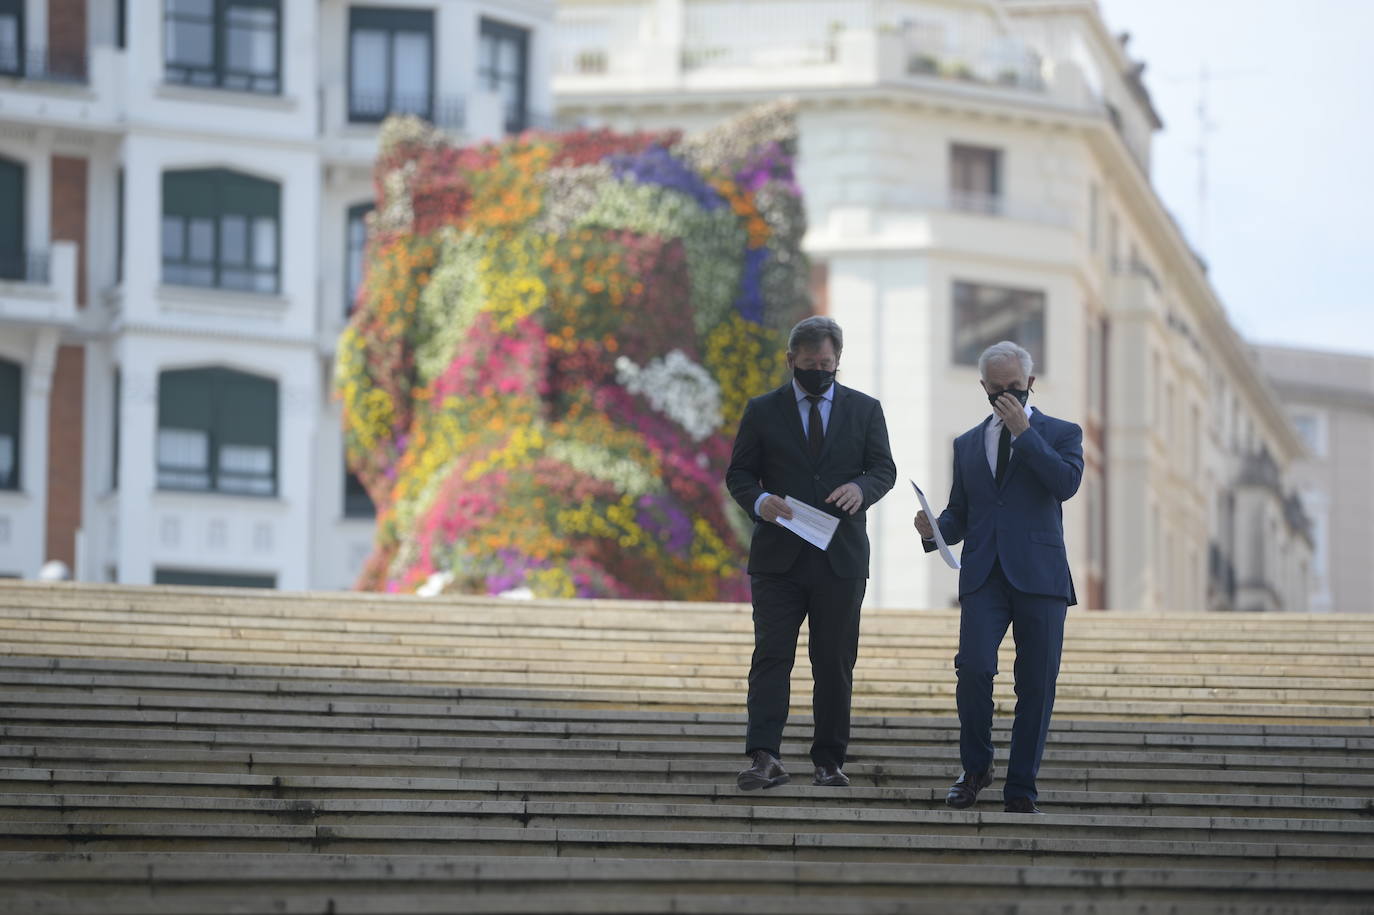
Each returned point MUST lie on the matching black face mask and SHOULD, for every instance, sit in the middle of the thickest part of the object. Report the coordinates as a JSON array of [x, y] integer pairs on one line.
[[814, 381], [1019, 395]]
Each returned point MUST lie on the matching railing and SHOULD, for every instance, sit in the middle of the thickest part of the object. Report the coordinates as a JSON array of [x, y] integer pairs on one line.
[[25, 267], [448, 112], [40, 64]]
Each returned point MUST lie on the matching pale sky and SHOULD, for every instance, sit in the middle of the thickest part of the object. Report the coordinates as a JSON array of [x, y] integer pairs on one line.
[[1290, 225]]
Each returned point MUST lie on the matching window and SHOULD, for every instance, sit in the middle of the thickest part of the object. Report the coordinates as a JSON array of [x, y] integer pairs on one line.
[[975, 179], [391, 63], [503, 60], [217, 432], [11, 413], [357, 502], [220, 228], [355, 249], [1311, 427], [211, 579], [12, 37], [226, 44], [984, 315], [13, 261]]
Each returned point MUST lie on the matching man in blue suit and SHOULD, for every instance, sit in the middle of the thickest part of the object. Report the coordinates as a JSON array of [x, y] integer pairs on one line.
[[1012, 474]]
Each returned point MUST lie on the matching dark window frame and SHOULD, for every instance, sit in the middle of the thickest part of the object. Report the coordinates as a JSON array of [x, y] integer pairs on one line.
[[357, 501], [489, 79], [12, 419], [973, 199], [208, 578], [968, 353], [118, 403], [217, 69], [119, 226], [14, 261], [355, 212], [390, 20], [223, 187], [215, 426], [15, 8]]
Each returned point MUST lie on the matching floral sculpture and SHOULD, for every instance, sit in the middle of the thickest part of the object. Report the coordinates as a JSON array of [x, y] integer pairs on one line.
[[552, 347]]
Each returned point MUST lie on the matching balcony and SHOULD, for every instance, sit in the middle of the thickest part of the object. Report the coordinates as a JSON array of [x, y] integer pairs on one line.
[[42, 65], [39, 287], [350, 123]]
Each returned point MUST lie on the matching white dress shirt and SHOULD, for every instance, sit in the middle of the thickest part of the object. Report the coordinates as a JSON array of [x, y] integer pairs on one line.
[[804, 407], [992, 434]]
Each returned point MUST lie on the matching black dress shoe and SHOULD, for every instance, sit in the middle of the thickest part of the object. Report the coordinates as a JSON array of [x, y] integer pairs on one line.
[[964, 792], [1021, 805], [765, 772], [830, 777]]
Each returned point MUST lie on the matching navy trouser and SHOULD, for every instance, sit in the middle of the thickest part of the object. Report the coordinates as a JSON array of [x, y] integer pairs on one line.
[[1037, 625], [810, 590]]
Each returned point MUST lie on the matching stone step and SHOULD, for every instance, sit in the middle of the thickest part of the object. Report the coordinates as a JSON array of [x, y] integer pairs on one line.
[[87, 809], [1033, 846], [562, 767], [234, 732], [141, 783], [339, 878]]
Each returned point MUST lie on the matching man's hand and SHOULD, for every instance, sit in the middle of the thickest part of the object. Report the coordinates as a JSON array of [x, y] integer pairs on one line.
[[1012, 413], [923, 526], [848, 497], [773, 508]]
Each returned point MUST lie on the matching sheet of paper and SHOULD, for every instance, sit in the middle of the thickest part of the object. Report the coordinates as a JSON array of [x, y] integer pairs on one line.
[[945, 553], [810, 523]]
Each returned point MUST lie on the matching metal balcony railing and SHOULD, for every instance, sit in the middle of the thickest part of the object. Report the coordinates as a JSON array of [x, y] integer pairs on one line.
[[25, 266], [42, 65], [449, 112]]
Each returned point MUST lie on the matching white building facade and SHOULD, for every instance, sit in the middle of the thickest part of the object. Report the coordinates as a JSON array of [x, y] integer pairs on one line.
[[976, 170], [183, 185]]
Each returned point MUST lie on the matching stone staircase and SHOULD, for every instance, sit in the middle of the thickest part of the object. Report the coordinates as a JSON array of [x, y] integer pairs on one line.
[[203, 751]]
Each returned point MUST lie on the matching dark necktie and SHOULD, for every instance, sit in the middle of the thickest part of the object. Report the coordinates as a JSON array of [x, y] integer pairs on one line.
[[1003, 453], [815, 428]]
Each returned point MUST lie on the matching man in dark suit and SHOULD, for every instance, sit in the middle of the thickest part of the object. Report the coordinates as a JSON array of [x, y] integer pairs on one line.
[[825, 445], [1012, 474]]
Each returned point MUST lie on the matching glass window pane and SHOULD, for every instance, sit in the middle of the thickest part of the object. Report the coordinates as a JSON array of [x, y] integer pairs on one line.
[[8, 452], [508, 57], [984, 315], [265, 243], [9, 43], [202, 241], [245, 459], [192, 8], [369, 69], [190, 43], [173, 238], [252, 39], [183, 458], [410, 73], [233, 239]]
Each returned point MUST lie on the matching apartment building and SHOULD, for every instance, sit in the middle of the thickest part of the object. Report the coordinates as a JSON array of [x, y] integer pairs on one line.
[[977, 170], [183, 185]]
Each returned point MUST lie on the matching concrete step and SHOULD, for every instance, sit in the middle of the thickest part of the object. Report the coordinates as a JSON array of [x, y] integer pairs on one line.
[[423, 881], [101, 809], [198, 750]]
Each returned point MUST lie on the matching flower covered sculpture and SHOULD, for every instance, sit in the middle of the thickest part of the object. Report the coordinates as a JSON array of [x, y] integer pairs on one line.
[[551, 350]]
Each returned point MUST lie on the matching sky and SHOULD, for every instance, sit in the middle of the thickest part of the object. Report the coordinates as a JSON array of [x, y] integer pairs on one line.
[[1290, 156]]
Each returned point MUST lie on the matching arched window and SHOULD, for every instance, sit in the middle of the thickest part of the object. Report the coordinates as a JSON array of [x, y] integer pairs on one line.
[[221, 228], [217, 432], [11, 407]]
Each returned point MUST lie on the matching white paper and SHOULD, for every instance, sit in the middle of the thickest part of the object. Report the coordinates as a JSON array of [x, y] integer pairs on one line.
[[945, 553], [809, 523]]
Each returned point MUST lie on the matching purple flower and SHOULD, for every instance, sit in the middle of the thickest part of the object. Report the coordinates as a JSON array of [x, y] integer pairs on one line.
[[655, 165], [750, 300]]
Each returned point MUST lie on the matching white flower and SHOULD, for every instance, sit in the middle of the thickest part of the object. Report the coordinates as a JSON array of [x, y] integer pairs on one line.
[[435, 584], [676, 387]]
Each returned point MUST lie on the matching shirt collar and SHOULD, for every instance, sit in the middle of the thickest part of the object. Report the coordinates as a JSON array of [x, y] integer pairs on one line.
[[801, 394]]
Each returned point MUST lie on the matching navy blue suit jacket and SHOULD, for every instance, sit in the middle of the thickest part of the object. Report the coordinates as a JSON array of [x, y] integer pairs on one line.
[[1021, 522]]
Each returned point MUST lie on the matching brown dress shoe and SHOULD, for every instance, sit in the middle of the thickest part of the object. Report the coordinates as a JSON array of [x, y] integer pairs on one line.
[[830, 777], [765, 772], [964, 792], [1020, 805]]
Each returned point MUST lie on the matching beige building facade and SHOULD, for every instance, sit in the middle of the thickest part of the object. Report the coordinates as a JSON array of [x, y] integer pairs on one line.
[[978, 170], [1330, 398]]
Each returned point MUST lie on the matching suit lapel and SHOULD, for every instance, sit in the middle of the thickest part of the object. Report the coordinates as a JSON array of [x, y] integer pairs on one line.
[[980, 456], [839, 419], [786, 399]]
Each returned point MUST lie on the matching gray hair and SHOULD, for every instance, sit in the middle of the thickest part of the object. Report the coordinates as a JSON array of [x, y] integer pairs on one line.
[[811, 332], [1001, 352]]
